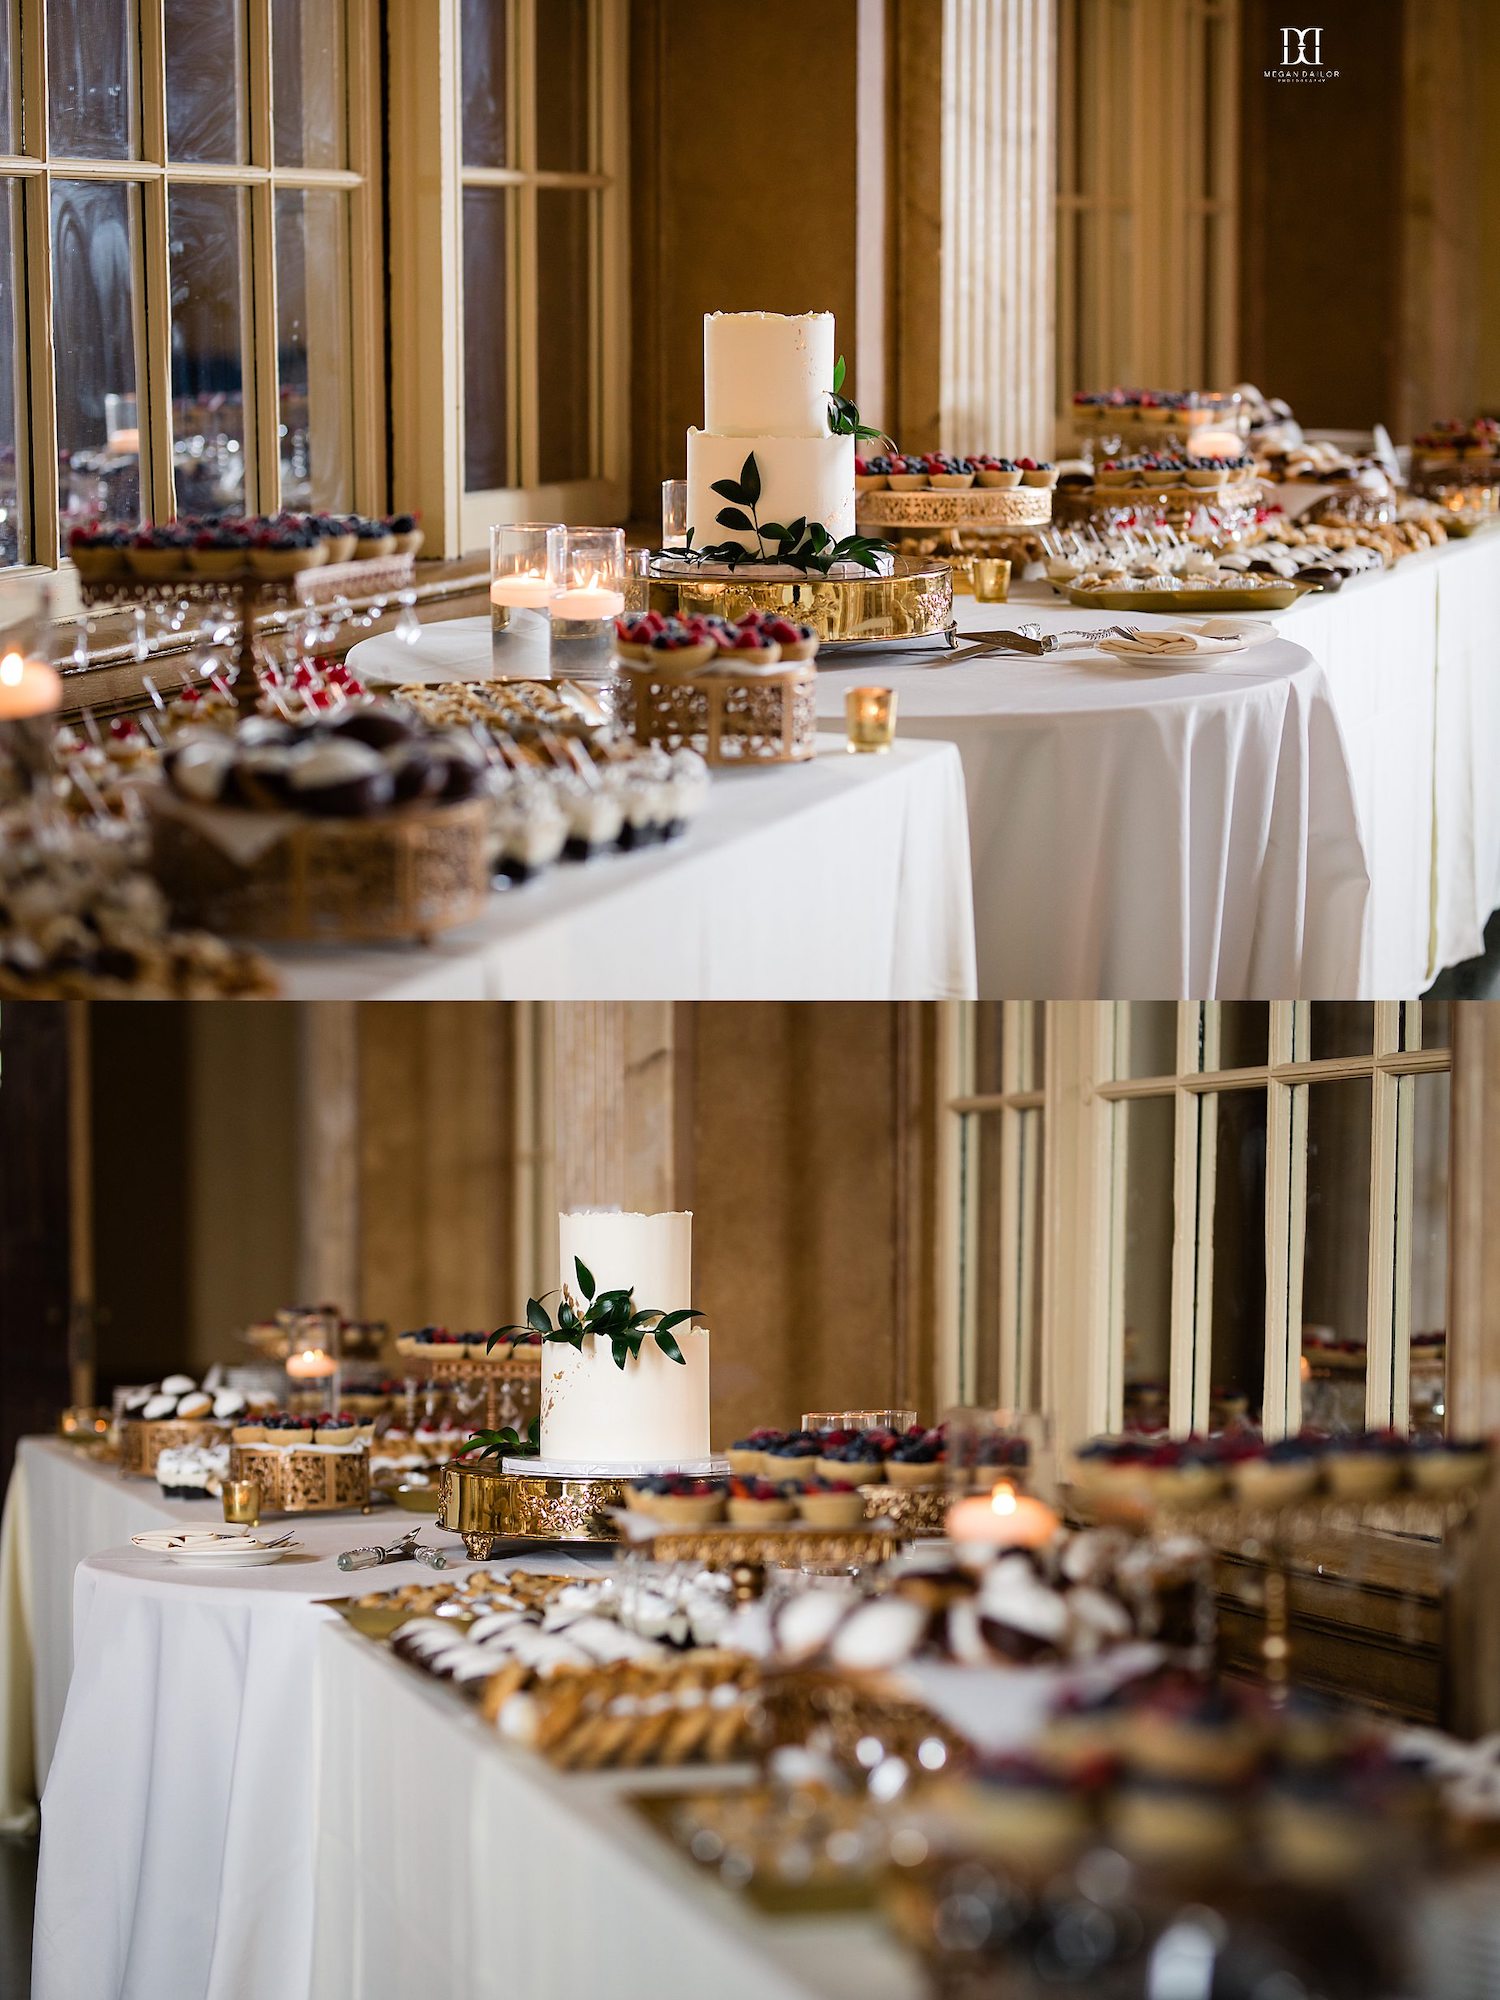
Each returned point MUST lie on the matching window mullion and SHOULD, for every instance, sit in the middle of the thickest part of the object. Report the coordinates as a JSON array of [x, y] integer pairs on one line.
[[1384, 1290], [1012, 1213], [524, 374], [1192, 1257], [1286, 1236], [370, 481], [153, 287]]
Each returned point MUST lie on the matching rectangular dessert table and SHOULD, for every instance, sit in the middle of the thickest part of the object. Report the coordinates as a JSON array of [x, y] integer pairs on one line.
[[844, 879]]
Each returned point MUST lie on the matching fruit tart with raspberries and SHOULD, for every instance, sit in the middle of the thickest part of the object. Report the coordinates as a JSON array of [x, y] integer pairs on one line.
[[678, 647]]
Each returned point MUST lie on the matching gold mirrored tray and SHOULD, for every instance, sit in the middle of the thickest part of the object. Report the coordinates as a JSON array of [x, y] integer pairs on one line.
[[1269, 597]]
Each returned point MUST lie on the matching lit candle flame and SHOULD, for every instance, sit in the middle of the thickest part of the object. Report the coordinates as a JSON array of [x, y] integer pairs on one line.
[[1003, 1499], [12, 667]]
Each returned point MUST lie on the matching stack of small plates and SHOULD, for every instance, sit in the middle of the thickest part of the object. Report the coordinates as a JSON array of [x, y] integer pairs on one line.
[[214, 1548]]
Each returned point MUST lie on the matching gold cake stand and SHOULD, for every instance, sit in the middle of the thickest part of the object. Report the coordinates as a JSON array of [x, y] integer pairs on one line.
[[914, 602], [983, 507]]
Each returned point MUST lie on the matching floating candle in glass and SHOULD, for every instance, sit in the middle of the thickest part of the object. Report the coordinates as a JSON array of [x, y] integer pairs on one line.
[[1001, 1519], [520, 580], [588, 568]]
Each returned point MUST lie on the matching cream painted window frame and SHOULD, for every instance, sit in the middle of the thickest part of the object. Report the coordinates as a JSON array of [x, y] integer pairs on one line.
[[156, 176], [603, 496], [1174, 324], [1020, 1108], [1080, 1271]]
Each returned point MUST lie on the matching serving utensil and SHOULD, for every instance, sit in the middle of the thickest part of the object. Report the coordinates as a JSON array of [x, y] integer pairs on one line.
[[405, 1549]]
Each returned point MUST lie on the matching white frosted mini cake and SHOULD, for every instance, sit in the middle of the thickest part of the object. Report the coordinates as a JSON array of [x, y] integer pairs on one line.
[[767, 381], [654, 1410]]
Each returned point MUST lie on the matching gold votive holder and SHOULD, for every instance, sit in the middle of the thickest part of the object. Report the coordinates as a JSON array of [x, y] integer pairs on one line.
[[991, 579], [242, 1499], [963, 575], [870, 719]]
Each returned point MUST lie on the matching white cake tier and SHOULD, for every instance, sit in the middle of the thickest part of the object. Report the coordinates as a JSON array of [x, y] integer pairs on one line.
[[767, 374], [807, 478], [653, 1408]]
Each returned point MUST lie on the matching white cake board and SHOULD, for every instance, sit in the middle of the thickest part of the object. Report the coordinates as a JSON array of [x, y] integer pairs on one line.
[[616, 1468], [680, 571]]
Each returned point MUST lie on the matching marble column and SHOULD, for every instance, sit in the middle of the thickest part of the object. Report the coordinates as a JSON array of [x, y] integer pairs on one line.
[[998, 120]]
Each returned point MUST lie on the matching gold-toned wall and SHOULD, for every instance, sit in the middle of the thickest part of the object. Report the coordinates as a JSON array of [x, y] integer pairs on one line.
[[743, 195]]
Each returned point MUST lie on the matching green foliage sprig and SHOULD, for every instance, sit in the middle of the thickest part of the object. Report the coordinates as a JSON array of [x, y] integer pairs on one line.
[[611, 1316], [844, 418], [507, 1443]]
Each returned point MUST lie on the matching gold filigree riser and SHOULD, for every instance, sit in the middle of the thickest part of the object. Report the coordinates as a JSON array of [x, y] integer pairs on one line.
[[975, 507], [141, 1444], [911, 1510], [334, 881], [764, 719], [718, 1548], [319, 585], [304, 1482], [473, 1500]]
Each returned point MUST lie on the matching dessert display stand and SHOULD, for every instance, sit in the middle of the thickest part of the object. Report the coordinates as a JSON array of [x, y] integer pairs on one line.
[[764, 718], [306, 1479], [978, 521], [914, 601], [142, 1443], [545, 1500], [510, 1387], [251, 595], [1274, 1536]]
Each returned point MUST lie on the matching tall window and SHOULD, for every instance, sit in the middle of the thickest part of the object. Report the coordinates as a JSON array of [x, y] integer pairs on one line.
[[1259, 1228], [1146, 190], [544, 336], [996, 1082], [187, 262]]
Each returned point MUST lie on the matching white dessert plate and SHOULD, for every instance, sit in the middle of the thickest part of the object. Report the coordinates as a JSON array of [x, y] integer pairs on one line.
[[251, 1556], [178, 1538]]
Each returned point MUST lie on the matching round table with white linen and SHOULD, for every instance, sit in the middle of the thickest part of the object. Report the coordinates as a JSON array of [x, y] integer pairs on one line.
[[177, 1820]]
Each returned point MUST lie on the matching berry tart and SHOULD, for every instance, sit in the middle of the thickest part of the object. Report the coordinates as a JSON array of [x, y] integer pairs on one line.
[[1003, 473], [794, 1456], [856, 1460], [907, 475], [747, 1455], [1037, 472], [406, 531], [823, 1503], [1280, 1475], [1365, 1466], [679, 1501], [100, 554], [681, 647], [220, 548], [757, 1503], [916, 1461], [948, 474], [1445, 1465], [871, 474], [158, 554], [372, 539], [748, 645]]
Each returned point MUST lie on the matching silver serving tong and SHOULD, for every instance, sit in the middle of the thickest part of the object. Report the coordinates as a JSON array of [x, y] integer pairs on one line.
[[406, 1549]]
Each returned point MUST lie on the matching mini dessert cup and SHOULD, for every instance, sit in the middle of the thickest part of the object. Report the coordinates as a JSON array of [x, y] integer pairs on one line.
[[292, 1434], [843, 1508], [336, 1433], [1006, 480], [678, 663], [1204, 475], [908, 482], [218, 562], [1362, 1475], [683, 1510], [909, 1473], [851, 1471], [157, 565], [370, 546]]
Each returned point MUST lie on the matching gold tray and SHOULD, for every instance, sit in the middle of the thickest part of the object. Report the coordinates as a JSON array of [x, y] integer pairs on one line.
[[1273, 597], [379, 1621], [723, 1545], [486, 1506], [914, 602], [972, 507], [772, 1897]]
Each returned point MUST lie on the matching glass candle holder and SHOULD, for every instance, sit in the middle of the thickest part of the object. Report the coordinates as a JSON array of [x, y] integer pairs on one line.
[[242, 1501], [588, 570], [870, 718], [637, 579], [991, 579], [520, 579], [674, 513]]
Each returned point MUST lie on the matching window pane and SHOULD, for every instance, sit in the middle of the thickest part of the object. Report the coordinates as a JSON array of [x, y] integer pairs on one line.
[[1429, 1251], [1237, 1316], [989, 1045], [91, 78], [485, 125], [208, 401], [1147, 1273], [307, 83], [562, 86], [1030, 1387], [15, 542], [1244, 1034], [1340, 1028], [95, 242], [1436, 1022], [1030, 1027], [1336, 1257], [313, 342], [487, 462], [1152, 1049], [205, 79], [565, 374]]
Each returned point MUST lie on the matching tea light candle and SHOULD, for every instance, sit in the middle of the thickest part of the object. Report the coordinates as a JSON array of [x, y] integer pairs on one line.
[[587, 602], [991, 579], [27, 687], [1001, 1519], [870, 718], [523, 592], [311, 1364]]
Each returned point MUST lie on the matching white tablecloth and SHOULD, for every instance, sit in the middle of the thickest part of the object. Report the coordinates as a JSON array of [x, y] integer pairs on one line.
[[59, 1507], [448, 1863], [177, 1819], [846, 878], [1319, 817]]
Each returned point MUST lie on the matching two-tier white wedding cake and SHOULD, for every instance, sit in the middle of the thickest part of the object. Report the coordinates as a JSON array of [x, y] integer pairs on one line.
[[653, 1411], [767, 378]]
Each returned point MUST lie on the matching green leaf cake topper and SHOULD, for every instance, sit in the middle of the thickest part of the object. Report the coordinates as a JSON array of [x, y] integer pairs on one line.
[[612, 1316]]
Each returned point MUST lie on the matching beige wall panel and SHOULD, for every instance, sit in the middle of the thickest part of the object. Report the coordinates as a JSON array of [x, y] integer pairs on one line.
[[435, 1164], [794, 1199], [743, 194]]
